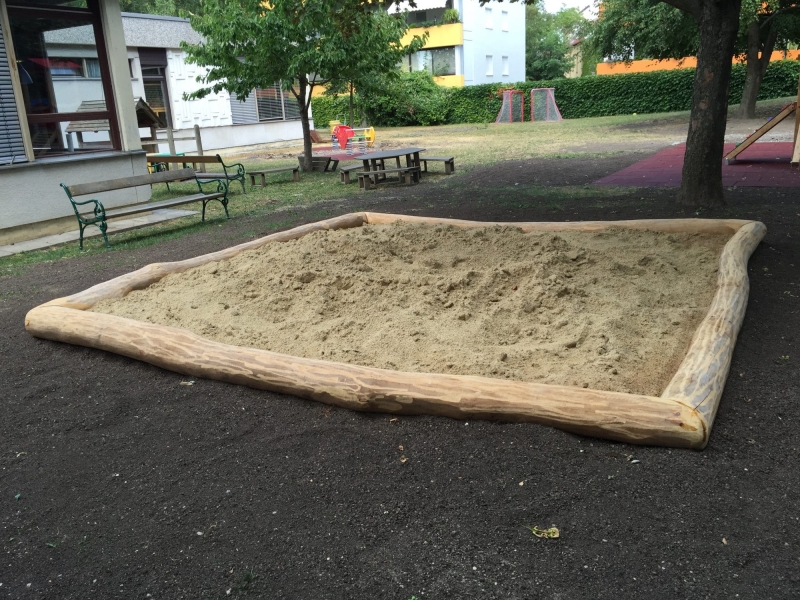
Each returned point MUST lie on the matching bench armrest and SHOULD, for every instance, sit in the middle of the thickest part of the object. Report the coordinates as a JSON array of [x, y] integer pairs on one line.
[[99, 209], [238, 166], [222, 185]]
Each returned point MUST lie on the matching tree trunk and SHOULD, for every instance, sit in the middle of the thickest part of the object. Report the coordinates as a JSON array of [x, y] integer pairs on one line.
[[351, 105], [701, 183], [305, 121], [756, 66]]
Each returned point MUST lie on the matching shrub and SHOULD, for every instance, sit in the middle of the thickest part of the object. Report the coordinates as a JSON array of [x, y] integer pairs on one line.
[[410, 99], [416, 100], [450, 16]]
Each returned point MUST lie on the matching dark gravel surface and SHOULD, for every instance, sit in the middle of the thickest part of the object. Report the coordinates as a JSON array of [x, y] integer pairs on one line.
[[118, 482]]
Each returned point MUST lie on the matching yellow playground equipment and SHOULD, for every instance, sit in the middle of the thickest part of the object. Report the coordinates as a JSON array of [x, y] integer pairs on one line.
[[362, 134]]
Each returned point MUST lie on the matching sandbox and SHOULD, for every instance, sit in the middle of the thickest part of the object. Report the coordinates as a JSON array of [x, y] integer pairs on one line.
[[540, 322]]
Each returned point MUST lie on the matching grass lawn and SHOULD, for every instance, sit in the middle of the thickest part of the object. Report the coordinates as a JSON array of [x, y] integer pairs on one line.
[[472, 145]]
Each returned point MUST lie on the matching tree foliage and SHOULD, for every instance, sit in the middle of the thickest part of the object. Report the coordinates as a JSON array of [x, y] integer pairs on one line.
[[172, 8], [548, 40], [301, 43], [628, 29]]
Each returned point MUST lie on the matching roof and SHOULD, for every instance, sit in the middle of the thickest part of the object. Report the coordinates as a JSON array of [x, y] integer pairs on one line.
[[421, 5], [145, 116], [141, 31]]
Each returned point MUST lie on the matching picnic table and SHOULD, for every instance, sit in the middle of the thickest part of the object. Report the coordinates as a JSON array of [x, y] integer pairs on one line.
[[372, 159], [375, 170]]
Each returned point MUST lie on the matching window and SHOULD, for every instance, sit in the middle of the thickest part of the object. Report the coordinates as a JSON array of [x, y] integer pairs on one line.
[[489, 66], [505, 66], [488, 17], [64, 76], [269, 104], [438, 62], [504, 20]]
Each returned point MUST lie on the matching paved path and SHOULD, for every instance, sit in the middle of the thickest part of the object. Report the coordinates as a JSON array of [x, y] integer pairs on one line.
[[114, 226]]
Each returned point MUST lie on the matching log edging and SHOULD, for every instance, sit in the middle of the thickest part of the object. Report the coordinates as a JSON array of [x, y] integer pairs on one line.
[[681, 417]]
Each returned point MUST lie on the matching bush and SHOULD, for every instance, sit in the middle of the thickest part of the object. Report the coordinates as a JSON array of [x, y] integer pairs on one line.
[[410, 99], [416, 100]]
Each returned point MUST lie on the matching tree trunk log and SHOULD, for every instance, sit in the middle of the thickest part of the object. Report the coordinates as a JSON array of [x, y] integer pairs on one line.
[[701, 183]]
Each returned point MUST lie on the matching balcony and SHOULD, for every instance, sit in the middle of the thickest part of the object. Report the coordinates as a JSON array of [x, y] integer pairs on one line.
[[440, 36]]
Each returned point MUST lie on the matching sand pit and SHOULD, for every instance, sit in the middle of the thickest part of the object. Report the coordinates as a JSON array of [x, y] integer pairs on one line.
[[504, 313], [613, 310]]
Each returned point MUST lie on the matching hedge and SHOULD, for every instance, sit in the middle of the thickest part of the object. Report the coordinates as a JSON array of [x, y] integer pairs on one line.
[[598, 96]]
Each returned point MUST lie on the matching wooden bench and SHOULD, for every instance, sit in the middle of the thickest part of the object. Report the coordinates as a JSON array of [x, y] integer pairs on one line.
[[449, 163], [370, 179], [100, 215], [344, 172], [263, 172], [234, 172], [320, 163]]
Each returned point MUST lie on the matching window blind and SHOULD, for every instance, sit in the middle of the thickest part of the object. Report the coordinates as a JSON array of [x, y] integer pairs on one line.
[[12, 148]]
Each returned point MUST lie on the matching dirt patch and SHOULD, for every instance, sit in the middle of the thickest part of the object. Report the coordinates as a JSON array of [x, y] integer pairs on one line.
[[614, 310]]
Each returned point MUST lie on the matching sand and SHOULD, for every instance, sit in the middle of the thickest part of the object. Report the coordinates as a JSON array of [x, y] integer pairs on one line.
[[614, 310]]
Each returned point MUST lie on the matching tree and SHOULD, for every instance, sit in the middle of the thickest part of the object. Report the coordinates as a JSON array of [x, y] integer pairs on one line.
[[642, 29], [172, 8], [547, 41], [763, 26], [373, 73], [301, 43], [718, 25]]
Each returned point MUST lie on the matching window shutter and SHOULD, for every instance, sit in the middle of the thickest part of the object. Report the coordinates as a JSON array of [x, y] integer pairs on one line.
[[12, 148], [244, 111]]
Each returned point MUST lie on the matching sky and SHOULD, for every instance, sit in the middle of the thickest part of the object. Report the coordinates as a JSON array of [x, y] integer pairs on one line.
[[553, 6]]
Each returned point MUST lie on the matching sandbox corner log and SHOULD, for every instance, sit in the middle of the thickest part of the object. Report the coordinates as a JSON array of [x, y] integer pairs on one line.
[[700, 378], [612, 415]]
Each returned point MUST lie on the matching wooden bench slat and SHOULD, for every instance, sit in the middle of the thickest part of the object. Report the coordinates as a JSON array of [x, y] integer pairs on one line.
[[188, 158], [449, 163], [140, 208], [275, 170], [84, 189]]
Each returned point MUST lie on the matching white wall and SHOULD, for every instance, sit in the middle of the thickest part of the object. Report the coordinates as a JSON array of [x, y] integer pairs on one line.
[[233, 136], [496, 30], [31, 193], [212, 111]]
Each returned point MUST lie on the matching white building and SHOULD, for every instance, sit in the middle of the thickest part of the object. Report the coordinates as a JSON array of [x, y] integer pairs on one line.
[[161, 75], [486, 46]]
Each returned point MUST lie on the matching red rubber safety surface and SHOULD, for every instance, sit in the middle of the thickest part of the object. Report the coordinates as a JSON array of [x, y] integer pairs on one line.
[[764, 164]]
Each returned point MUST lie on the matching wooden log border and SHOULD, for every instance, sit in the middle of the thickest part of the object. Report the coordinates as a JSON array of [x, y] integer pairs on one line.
[[681, 417]]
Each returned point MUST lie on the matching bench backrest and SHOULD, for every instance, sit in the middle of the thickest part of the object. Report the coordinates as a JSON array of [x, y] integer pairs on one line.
[[189, 158], [83, 189]]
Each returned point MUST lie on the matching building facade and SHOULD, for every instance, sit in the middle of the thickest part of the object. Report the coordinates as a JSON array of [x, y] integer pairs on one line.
[[54, 58], [69, 81], [486, 46], [160, 74]]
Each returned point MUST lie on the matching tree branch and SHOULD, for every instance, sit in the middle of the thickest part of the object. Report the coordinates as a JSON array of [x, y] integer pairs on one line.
[[780, 11], [690, 6]]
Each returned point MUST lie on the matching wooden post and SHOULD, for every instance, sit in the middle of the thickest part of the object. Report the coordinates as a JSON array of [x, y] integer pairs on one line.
[[170, 140], [199, 142]]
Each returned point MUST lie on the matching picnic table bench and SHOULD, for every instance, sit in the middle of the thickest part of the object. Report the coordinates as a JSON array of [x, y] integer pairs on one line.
[[99, 215], [344, 172], [370, 179], [319, 163], [233, 172], [263, 172], [449, 163]]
